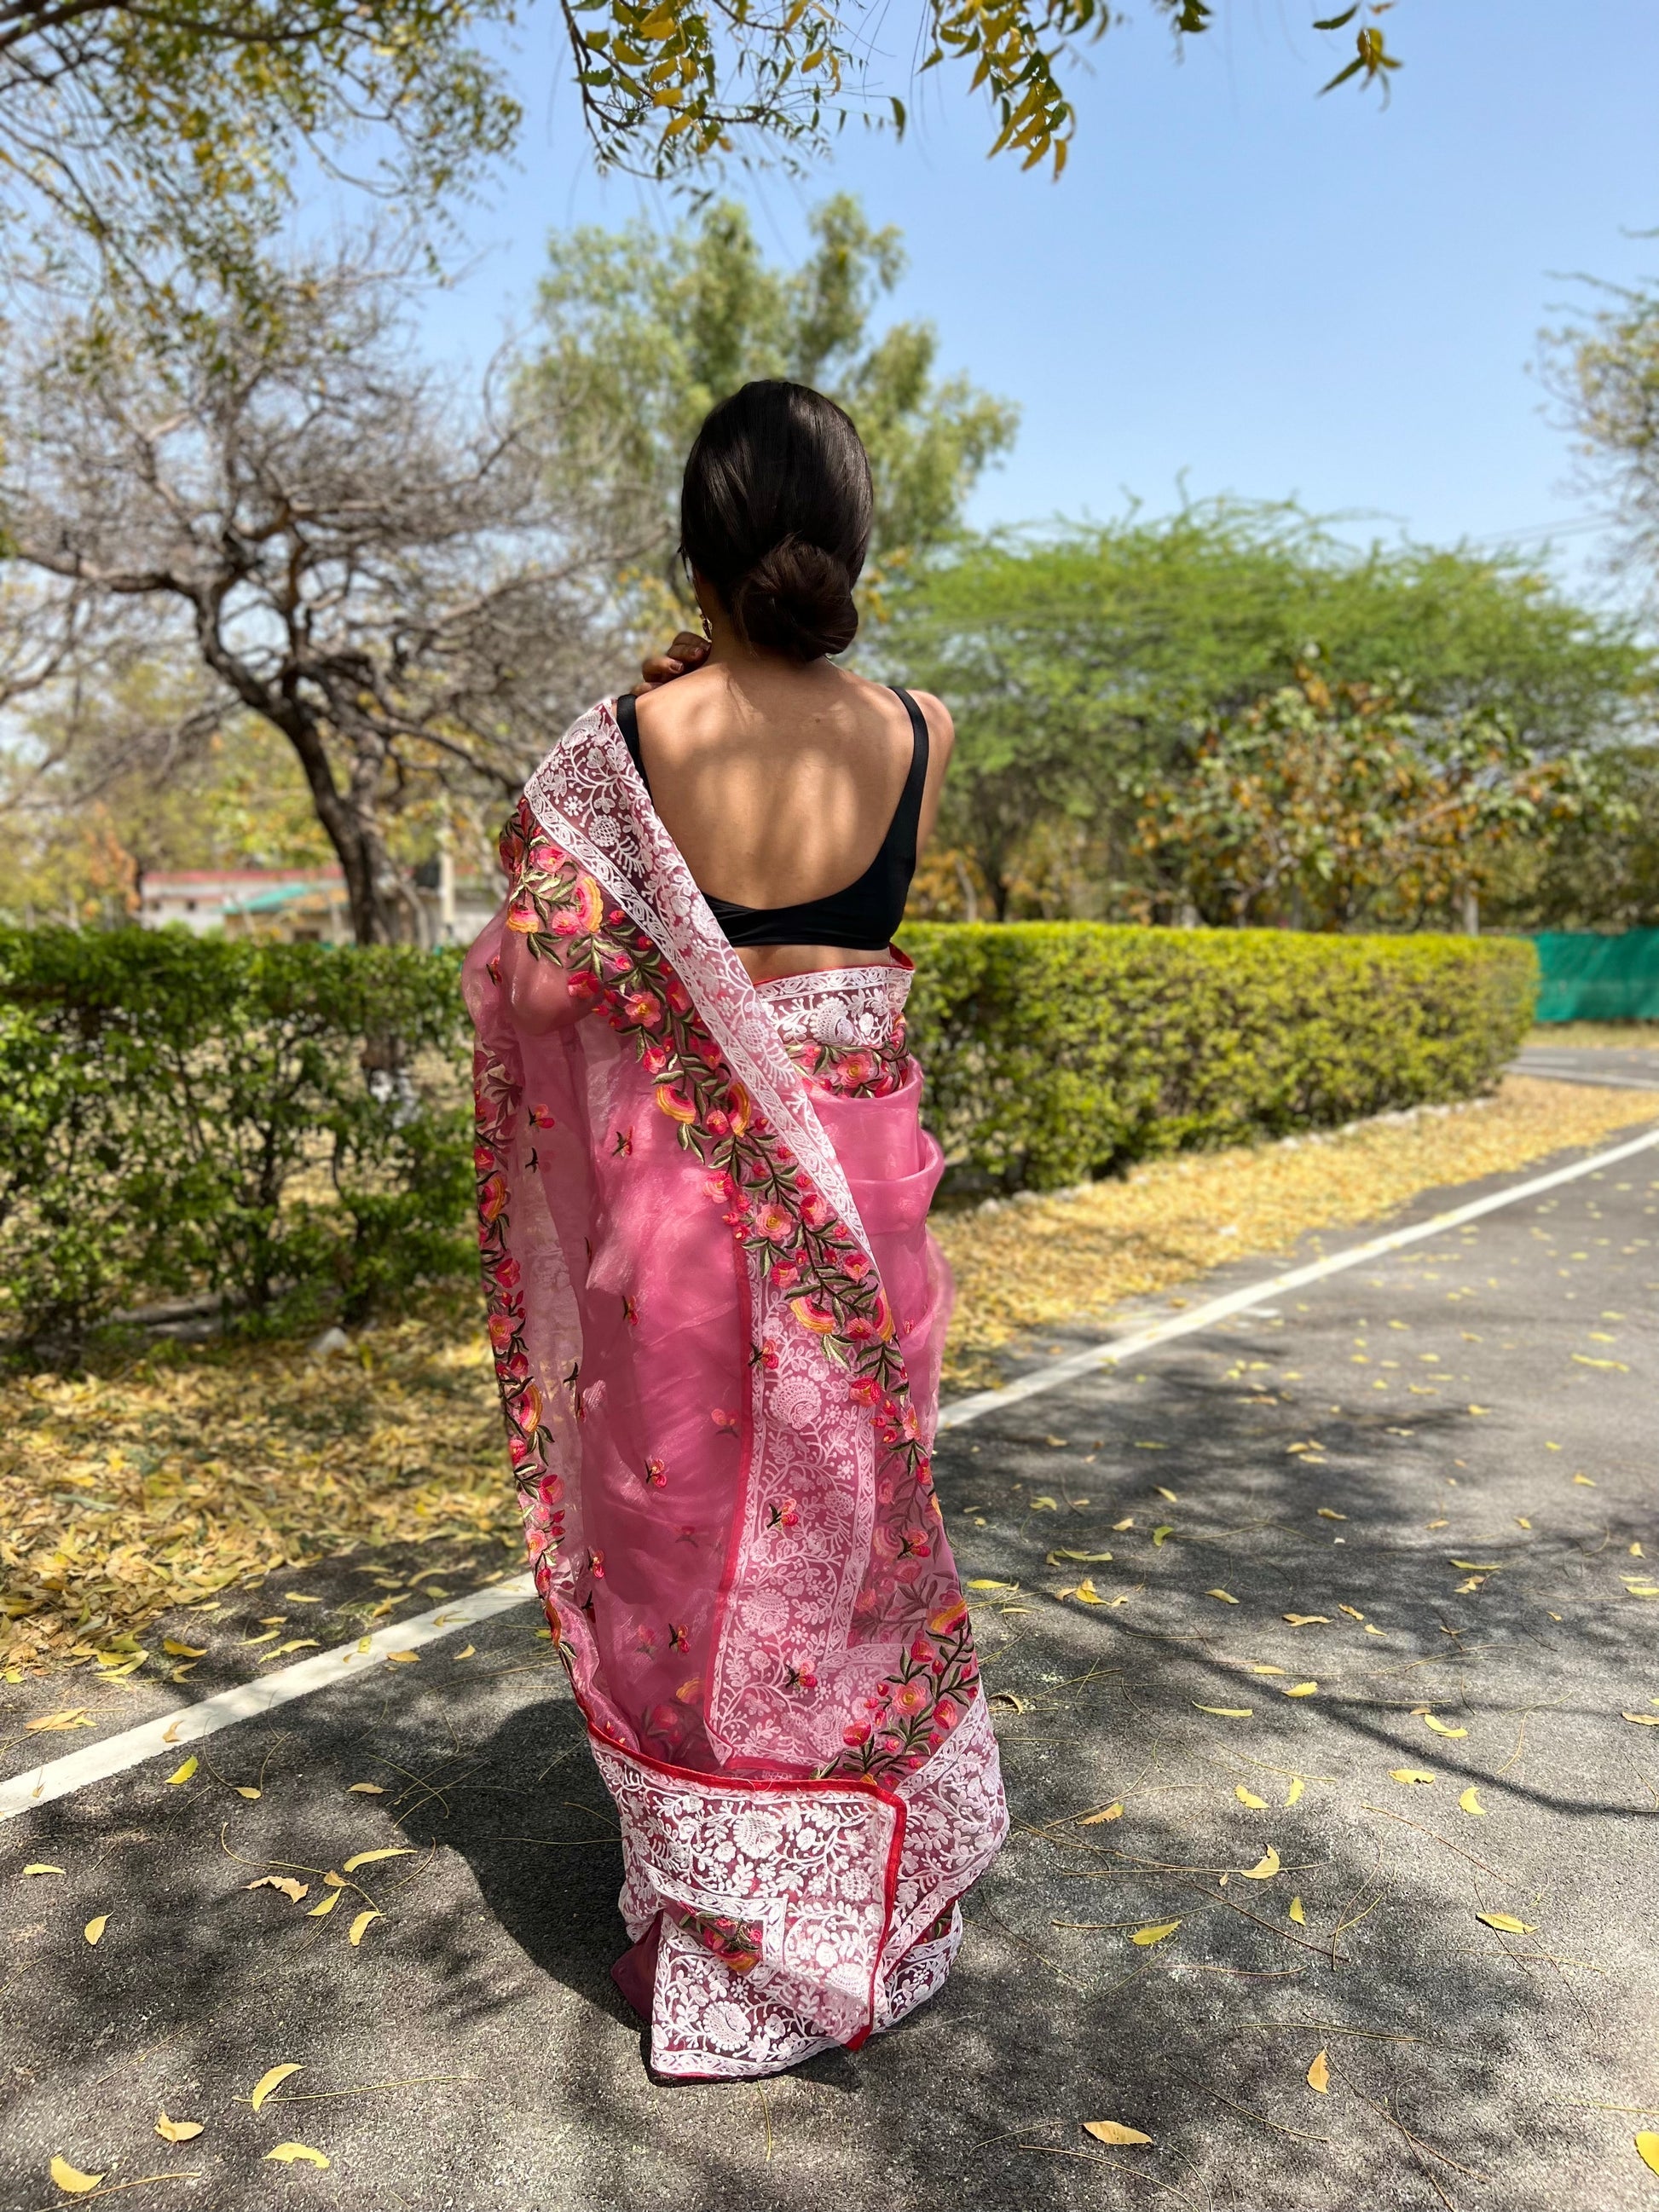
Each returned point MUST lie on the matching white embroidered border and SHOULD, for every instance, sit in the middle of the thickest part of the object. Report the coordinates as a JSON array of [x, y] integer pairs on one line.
[[575, 795]]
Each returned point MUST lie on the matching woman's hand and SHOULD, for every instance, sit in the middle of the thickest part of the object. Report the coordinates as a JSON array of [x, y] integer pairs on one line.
[[687, 651]]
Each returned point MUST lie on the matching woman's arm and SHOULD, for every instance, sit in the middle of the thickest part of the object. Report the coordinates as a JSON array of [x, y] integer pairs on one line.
[[941, 738], [539, 994]]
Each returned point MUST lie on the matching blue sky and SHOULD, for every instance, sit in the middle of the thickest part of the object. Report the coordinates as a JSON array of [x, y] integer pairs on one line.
[[1270, 294]]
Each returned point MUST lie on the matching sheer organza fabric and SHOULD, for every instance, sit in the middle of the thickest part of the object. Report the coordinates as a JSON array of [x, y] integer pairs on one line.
[[717, 1317]]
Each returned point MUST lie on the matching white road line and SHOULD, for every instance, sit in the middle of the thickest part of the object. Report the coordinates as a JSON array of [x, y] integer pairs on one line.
[[169, 1732], [1118, 1349]]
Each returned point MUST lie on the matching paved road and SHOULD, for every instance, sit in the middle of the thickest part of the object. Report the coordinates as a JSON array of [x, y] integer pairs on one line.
[[1486, 1398], [1635, 1067]]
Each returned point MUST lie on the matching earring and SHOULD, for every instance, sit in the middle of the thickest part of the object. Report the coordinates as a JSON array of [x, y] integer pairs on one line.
[[708, 628]]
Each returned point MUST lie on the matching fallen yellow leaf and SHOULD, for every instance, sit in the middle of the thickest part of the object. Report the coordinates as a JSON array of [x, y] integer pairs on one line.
[[77, 1717], [1265, 1867], [1045, 1505], [1170, 1494], [1296, 1913], [174, 1650], [290, 1888], [40, 1865], [400, 1659], [366, 1788], [1161, 1531], [1507, 1922], [1294, 1791], [292, 2154], [1225, 1712], [1079, 1558], [470, 1652], [1468, 1802], [1156, 1933], [1329, 1513], [177, 2130], [1226, 1596], [1442, 1728], [267, 2083], [360, 1924], [368, 1858], [71, 2179], [182, 1773], [320, 1912], [1085, 1592], [1114, 2131], [1307, 1619], [1647, 2148], [94, 1928], [1353, 1612], [1248, 1798], [1112, 1812], [1409, 1774], [1302, 1690], [1319, 2074], [1642, 1720]]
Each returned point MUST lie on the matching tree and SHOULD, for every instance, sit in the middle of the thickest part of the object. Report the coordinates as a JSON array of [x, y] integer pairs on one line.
[[642, 334], [1080, 666], [1326, 805], [353, 557], [152, 128], [1604, 371]]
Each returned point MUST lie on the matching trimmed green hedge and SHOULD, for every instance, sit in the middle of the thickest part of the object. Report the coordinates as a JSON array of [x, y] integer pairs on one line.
[[286, 1127], [1060, 1051], [282, 1127]]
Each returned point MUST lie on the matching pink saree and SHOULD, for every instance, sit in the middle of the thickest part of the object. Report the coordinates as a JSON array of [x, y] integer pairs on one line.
[[717, 1317]]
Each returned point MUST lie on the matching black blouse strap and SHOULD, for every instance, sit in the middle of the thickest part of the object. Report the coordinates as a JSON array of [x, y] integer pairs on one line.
[[627, 722], [907, 814]]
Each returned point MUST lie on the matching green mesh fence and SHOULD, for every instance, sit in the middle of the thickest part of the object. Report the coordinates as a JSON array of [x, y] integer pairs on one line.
[[1589, 977]]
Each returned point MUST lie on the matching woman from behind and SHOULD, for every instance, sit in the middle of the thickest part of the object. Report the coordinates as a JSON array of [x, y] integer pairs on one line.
[[716, 1312]]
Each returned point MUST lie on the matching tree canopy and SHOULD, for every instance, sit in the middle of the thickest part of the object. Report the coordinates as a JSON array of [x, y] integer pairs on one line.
[[641, 334], [153, 129], [1080, 666]]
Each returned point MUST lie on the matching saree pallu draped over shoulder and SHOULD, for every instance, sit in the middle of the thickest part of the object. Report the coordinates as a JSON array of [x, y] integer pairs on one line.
[[717, 1318]]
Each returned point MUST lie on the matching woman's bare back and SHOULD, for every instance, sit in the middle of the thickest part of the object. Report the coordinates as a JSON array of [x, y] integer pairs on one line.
[[778, 783]]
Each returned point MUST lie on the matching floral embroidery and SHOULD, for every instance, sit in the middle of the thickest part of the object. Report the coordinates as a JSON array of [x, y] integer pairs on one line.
[[736, 1943], [782, 1223]]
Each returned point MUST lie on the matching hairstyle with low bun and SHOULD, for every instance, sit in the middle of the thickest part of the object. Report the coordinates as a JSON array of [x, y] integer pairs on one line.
[[775, 512]]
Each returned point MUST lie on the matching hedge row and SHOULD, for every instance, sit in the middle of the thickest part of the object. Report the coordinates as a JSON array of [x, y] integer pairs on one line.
[[283, 1128], [1060, 1051]]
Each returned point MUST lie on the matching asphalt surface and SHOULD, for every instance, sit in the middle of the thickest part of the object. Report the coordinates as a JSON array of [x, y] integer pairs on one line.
[[1633, 1068], [1445, 1458]]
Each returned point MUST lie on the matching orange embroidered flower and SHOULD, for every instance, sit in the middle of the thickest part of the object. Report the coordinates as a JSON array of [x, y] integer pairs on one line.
[[675, 1102]]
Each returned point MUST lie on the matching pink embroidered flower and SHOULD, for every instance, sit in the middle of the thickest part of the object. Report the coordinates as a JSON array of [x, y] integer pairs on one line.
[[492, 1198], [721, 1187], [911, 1696], [542, 1117], [855, 1265], [528, 1407], [772, 1223], [889, 1743], [857, 1732], [815, 1211], [484, 1157], [506, 1273], [852, 1070], [500, 1331], [677, 996], [582, 984], [656, 1475], [596, 1565], [676, 1102], [921, 1650], [785, 1275], [949, 1617], [729, 1425], [946, 1713], [866, 1390], [655, 1058]]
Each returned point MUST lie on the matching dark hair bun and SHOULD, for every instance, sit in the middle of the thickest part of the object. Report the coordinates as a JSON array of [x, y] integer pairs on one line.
[[796, 599], [776, 513]]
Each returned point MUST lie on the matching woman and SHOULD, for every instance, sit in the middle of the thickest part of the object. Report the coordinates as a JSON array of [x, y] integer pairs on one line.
[[716, 1312]]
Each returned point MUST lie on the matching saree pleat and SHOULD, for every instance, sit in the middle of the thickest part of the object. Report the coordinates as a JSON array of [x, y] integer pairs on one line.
[[717, 1320]]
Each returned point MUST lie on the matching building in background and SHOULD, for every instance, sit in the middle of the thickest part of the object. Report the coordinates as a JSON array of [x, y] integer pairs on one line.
[[308, 905]]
